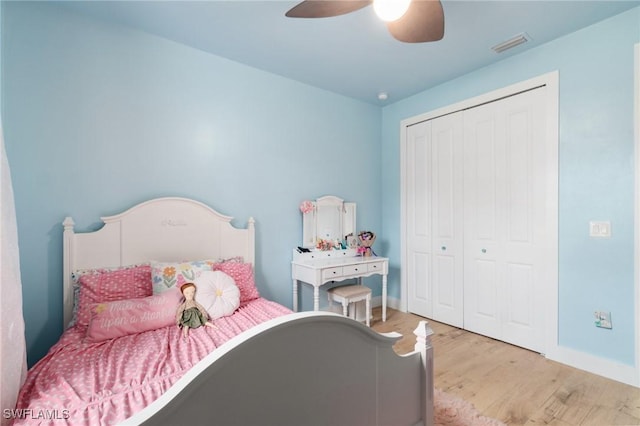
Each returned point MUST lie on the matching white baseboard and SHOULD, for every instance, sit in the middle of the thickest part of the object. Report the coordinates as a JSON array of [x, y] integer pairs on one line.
[[601, 366], [392, 302], [610, 369]]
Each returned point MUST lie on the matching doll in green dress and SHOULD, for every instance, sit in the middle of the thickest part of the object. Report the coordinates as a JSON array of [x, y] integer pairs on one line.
[[190, 313]]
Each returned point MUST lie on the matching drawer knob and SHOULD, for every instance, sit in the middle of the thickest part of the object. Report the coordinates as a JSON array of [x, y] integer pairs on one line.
[[443, 248], [484, 250]]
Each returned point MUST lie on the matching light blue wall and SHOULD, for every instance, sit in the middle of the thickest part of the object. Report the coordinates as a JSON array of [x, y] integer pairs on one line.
[[0, 61], [596, 173], [99, 118]]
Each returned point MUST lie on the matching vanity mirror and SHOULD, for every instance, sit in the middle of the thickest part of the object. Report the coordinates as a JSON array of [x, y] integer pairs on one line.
[[327, 218]]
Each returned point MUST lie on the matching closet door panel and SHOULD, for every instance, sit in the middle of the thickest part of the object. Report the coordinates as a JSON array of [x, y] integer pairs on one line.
[[504, 215], [486, 295], [447, 199], [525, 226], [483, 220], [481, 144], [420, 266], [519, 179], [519, 281], [444, 274], [419, 219]]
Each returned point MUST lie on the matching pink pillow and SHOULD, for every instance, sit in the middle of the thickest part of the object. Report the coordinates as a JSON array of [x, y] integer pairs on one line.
[[242, 274], [112, 285], [120, 318]]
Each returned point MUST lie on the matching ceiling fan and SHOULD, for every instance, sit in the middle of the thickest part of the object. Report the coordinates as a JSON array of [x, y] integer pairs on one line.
[[410, 21]]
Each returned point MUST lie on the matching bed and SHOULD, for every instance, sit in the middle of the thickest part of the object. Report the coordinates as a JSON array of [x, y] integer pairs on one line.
[[259, 365]]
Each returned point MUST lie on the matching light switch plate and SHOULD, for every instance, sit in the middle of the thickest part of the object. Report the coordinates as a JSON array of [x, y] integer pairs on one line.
[[600, 229]]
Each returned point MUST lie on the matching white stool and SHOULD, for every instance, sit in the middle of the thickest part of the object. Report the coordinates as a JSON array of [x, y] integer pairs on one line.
[[348, 294]]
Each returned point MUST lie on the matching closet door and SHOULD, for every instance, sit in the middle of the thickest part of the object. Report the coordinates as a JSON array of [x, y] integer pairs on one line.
[[418, 219], [434, 219], [505, 219], [447, 216]]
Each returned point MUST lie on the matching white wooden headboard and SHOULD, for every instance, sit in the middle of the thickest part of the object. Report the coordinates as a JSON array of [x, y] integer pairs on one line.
[[163, 229]]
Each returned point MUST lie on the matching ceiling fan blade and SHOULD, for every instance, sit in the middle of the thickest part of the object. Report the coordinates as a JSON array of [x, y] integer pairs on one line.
[[424, 21], [325, 8]]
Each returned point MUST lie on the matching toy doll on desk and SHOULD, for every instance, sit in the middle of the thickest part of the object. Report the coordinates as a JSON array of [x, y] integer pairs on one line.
[[190, 313], [367, 238]]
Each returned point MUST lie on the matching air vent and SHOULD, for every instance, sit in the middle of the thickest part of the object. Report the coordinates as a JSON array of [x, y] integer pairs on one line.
[[512, 42]]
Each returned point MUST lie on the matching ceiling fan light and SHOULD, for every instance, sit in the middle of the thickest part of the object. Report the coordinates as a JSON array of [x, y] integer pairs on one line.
[[390, 10]]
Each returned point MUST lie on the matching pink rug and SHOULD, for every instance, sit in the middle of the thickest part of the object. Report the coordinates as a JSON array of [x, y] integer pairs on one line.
[[453, 411]]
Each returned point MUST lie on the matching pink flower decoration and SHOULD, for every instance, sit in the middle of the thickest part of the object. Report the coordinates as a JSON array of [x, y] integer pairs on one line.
[[306, 207]]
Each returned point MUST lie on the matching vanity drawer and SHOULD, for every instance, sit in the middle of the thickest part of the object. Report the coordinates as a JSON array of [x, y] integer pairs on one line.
[[376, 266], [332, 272], [354, 269]]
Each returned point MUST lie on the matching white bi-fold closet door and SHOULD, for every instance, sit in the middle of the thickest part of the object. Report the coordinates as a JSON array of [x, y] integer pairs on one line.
[[434, 236], [477, 218]]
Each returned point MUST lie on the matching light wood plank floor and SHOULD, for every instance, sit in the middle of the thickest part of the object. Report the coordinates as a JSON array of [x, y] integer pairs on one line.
[[515, 385]]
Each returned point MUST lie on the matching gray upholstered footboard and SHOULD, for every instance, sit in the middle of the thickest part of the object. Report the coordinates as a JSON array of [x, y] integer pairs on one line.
[[303, 369]]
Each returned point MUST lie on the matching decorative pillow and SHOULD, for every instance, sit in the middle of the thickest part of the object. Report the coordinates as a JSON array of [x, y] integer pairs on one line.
[[217, 293], [112, 285], [166, 275], [237, 259], [76, 301], [123, 317], [77, 274], [75, 279], [242, 274]]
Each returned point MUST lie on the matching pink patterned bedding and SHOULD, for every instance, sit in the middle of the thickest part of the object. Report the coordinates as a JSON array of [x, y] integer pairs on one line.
[[81, 383]]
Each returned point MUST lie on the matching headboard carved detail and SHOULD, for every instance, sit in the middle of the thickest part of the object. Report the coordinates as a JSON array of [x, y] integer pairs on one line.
[[173, 222]]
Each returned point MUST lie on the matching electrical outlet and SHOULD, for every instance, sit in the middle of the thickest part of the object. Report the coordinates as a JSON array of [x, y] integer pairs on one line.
[[603, 319]]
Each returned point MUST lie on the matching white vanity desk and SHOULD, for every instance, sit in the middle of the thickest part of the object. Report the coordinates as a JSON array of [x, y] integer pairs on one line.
[[320, 267]]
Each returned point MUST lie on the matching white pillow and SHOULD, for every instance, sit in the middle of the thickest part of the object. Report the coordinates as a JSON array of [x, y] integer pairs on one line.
[[217, 293]]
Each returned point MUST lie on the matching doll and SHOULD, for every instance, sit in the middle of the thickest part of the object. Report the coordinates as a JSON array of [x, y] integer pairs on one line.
[[190, 313]]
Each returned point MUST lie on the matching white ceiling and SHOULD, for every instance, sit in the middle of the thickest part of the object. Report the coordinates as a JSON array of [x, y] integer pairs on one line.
[[353, 54]]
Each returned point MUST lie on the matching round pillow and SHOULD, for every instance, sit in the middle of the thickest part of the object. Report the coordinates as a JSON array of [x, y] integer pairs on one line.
[[217, 293]]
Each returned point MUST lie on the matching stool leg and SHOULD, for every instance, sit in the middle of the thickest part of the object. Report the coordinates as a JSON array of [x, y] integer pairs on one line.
[[368, 309]]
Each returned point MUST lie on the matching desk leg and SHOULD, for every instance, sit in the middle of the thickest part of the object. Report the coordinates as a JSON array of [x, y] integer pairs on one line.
[[295, 295], [316, 298], [384, 298]]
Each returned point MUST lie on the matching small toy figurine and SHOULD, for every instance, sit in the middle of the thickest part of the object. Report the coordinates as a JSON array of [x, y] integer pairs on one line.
[[367, 238], [190, 313]]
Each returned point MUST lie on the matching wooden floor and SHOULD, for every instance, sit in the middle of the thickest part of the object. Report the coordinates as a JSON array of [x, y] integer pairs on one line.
[[515, 385]]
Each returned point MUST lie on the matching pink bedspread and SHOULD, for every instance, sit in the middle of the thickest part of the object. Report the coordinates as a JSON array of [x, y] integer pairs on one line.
[[79, 383]]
